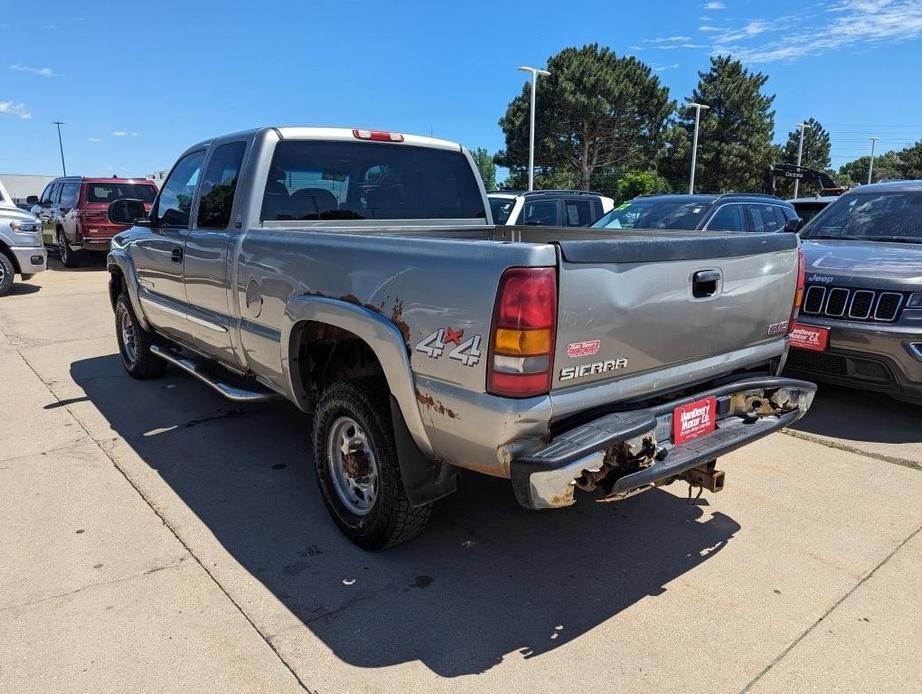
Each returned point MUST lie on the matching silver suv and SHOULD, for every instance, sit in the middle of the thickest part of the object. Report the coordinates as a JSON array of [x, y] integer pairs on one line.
[[21, 249]]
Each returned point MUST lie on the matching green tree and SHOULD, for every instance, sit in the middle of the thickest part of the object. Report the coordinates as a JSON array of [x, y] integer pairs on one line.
[[634, 183], [486, 166], [910, 165], [735, 139], [886, 165], [594, 112], [815, 155]]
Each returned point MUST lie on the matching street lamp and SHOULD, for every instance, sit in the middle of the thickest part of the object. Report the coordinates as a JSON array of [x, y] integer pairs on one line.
[[691, 179], [531, 121], [800, 153], [60, 143], [871, 167]]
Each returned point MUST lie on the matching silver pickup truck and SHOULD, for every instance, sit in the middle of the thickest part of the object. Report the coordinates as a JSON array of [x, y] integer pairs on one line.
[[358, 275]]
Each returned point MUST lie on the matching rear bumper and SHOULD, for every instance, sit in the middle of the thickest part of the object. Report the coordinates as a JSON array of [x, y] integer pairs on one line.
[[30, 259], [546, 478]]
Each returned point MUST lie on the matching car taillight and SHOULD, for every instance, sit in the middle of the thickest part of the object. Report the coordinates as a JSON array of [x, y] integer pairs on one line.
[[377, 135], [524, 332], [799, 291]]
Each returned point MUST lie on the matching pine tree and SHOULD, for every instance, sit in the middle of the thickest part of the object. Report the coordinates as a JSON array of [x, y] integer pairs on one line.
[[815, 155]]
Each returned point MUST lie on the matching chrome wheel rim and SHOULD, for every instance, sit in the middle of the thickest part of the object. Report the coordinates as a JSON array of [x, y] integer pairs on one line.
[[352, 466], [129, 340], [62, 247], [2, 272]]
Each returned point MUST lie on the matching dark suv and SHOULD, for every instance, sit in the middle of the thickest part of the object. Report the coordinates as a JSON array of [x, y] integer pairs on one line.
[[73, 212], [729, 212], [861, 319]]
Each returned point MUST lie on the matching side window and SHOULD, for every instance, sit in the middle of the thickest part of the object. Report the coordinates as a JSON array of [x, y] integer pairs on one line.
[[727, 218], [765, 218], [69, 194], [219, 185], [578, 213], [542, 212], [55, 193], [175, 200], [46, 194]]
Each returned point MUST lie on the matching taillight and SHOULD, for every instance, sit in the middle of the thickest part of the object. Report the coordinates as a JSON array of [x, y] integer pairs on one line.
[[799, 291], [377, 135], [524, 332]]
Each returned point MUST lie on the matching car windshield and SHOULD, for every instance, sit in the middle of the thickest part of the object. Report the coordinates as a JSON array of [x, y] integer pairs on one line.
[[878, 216], [652, 213], [501, 208], [110, 192]]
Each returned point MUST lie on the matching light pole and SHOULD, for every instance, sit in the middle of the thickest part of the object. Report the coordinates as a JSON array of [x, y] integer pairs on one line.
[[800, 154], [531, 121], [60, 143], [871, 167], [691, 179]]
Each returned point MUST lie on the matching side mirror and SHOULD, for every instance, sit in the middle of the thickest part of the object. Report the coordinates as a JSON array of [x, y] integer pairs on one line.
[[794, 225], [32, 200], [126, 211]]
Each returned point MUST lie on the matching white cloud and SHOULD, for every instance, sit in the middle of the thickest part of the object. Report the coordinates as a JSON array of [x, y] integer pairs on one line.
[[43, 71], [668, 39], [709, 29], [660, 68], [13, 109], [673, 46], [848, 23], [94, 139], [119, 133], [715, 5]]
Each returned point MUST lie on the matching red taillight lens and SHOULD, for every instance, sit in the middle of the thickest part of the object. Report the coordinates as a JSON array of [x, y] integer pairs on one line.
[[799, 292], [377, 135], [524, 331]]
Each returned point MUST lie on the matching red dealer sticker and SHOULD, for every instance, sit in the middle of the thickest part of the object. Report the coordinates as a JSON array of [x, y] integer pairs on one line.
[[583, 349], [693, 420], [810, 337]]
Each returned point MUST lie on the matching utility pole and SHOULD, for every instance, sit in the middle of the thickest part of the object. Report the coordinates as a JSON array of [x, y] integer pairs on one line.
[[694, 162], [871, 167], [531, 121], [60, 143], [800, 154]]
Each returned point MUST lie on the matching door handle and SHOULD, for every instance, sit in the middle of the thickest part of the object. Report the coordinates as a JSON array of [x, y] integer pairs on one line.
[[176, 254], [705, 283]]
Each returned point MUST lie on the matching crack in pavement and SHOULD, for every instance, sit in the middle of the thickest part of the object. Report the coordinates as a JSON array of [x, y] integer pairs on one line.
[[838, 445], [172, 530], [864, 579]]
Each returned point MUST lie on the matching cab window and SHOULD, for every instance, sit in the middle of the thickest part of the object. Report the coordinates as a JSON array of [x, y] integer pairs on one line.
[[175, 201], [219, 185], [578, 213], [542, 213], [765, 218], [69, 194], [727, 218]]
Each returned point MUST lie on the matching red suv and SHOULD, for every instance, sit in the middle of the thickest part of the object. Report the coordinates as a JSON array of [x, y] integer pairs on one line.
[[74, 217]]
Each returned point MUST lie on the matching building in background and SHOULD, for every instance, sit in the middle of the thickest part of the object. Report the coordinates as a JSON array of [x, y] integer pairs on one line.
[[158, 177], [21, 186]]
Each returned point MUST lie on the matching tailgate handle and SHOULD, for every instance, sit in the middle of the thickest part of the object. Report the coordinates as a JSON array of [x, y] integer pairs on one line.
[[705, 283]]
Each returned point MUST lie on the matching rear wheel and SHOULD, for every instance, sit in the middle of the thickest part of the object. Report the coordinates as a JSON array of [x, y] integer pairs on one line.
[[357, 468], [6, 274], [69, 258], [134, 343]]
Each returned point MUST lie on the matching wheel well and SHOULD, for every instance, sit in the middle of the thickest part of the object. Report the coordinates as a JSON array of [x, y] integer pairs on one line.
[[322, 353], [9, 254], [116, 284]]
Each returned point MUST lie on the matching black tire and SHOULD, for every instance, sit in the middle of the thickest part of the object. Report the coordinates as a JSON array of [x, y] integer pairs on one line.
[[6, 274], [391, 519], [137, 358], [69, 257]]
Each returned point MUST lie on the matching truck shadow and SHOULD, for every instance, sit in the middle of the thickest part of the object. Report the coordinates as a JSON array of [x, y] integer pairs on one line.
[[859, 415], [486, 580]]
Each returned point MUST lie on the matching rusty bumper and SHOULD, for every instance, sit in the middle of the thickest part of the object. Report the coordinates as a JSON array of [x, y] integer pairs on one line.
[[626, 451]]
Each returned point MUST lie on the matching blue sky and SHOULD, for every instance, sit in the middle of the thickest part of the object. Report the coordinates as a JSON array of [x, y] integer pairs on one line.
[[137, 86]]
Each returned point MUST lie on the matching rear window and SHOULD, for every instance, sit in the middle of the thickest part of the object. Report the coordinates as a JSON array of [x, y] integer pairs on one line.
[[655, 213], [361, 180], [110, 192]]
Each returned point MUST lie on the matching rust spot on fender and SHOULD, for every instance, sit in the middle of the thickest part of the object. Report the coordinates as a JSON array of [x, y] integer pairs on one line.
[[429, 402], [397, 319]]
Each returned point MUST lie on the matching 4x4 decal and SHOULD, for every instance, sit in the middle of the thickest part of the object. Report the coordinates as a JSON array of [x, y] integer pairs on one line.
[[467, 352]]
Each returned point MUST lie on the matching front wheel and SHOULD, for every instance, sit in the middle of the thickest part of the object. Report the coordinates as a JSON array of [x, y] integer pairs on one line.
[[134, 343], [357, 468], [6, 274]]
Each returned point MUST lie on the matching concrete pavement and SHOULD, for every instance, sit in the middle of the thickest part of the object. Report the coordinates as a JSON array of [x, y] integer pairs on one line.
[[218, 569]]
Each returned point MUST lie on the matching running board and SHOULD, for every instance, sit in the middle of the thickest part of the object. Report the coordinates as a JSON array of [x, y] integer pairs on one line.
[[228, 391]]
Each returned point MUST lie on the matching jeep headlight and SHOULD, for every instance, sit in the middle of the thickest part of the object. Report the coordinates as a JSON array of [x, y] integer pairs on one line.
[[915, 300]]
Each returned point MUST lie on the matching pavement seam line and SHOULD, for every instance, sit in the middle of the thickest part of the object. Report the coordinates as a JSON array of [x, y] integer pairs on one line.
[[864, 579], [147, 572], [839, 446], [172, 530]]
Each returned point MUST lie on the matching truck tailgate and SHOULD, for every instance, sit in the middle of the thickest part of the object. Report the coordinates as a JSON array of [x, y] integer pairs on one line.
[[642, 301]]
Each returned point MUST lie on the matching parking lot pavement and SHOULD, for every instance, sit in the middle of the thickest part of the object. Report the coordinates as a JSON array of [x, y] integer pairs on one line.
[[207, 519]]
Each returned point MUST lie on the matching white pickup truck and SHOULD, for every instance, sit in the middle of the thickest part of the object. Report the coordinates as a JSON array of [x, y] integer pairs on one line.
[[21, 249]]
